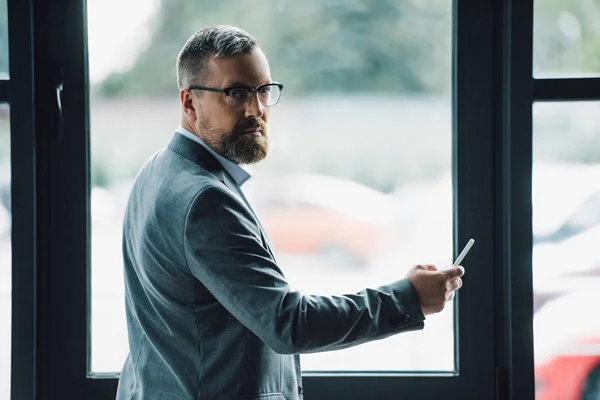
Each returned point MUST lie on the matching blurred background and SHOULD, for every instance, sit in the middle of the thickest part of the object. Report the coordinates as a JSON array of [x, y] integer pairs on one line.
[[358, 187]]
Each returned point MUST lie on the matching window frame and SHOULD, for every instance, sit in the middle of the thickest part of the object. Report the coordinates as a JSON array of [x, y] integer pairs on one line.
[[4, 88], [564, 90], [17, 91], [493, 88]]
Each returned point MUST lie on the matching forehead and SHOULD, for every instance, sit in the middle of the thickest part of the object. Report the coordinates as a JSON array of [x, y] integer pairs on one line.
[[249, 69]]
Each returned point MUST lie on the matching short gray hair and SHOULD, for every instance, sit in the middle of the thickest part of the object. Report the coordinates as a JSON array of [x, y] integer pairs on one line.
[[218, 41]]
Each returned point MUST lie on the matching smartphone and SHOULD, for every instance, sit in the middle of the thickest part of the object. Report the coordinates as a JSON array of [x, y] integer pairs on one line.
[[464, 253]]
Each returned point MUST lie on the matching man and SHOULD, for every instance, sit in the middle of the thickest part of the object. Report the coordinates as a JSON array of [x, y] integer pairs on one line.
[[210, 314]]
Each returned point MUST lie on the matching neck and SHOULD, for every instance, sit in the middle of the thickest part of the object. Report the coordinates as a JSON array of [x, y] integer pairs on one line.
[[188, 126]]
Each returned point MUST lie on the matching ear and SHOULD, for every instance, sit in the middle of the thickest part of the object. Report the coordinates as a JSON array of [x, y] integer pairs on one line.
[[186, 97]]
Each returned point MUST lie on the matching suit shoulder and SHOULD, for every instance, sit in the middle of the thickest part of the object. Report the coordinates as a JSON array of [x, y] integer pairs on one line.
[[172, 182]]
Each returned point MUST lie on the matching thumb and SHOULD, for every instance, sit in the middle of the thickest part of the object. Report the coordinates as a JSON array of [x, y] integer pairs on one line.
[[454, 272]]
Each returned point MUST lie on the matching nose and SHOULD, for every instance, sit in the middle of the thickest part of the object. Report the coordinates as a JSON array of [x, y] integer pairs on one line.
[[255, 108]]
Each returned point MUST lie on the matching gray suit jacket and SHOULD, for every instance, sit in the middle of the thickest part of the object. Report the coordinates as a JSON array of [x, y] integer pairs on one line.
[[209, 313]]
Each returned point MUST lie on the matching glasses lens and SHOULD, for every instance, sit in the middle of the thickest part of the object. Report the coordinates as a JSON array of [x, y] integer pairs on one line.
[[237, 98], [269, 95]]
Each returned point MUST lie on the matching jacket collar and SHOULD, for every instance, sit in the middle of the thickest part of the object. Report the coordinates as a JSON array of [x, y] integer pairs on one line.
[[195, 152]]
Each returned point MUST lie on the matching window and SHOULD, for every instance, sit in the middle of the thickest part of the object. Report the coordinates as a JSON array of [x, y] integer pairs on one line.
[[362, 159], [3, 40], [566, 270], [5, 214], [5, 253], [55, 232], [566, 38]]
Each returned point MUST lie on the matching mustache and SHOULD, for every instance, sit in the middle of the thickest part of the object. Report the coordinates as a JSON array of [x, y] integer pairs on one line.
[[250, 123]]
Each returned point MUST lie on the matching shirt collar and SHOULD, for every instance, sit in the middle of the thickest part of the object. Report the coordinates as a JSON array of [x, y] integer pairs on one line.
[[239, 174]]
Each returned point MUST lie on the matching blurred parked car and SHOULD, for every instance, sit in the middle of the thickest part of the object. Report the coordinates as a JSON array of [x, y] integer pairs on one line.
[[567, 347], [571, 258], [566, 227], [321, 215], [565, 267], [566, 200]]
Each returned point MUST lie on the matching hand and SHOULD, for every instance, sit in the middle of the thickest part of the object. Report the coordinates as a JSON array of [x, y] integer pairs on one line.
[[435, 288]]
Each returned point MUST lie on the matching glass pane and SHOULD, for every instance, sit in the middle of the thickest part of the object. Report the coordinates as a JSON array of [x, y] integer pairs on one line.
[[566, 261], [566, 38], [3, 40], [5, 253], [357, 188]]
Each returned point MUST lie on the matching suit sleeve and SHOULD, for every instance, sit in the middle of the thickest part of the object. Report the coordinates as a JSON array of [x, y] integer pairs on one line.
[[224, 252]]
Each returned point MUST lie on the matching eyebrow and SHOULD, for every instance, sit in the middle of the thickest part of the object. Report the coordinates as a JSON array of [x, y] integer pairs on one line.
[[241, 84]]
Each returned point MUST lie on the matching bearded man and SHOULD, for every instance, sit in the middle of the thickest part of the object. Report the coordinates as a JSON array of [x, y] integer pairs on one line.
[[210, 314]]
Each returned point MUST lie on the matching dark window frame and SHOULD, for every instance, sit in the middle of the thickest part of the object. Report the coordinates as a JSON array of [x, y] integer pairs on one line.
[[566, 89], [492, 95], [18, 91], [4, 90]]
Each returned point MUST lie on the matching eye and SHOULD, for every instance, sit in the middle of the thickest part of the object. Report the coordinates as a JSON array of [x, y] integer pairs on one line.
[[238, 94], [265, 90]]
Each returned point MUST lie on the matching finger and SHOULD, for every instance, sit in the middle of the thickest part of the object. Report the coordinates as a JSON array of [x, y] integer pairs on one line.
[[455, 284], [450, 296], [425, 267], [454, 272]]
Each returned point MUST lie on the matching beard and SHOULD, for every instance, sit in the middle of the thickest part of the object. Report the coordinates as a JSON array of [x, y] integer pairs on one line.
[[237, 146]]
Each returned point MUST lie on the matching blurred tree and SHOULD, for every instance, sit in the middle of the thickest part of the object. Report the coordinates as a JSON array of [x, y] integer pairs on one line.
[[395, 46], [3, 38], [567, 36], [400, 48]]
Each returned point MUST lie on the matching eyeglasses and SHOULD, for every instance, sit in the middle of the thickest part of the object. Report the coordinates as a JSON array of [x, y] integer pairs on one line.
[[238, 97]]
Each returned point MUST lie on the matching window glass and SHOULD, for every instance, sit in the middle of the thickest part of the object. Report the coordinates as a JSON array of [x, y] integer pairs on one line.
[[357, 188], [566, 38], [3, 40], [566, 260], [5, 254]]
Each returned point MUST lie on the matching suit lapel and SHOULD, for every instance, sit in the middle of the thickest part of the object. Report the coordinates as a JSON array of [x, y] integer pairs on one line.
[[197, 153]]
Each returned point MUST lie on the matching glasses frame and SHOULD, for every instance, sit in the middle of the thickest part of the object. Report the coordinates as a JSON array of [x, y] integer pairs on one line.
[[251, 91]]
